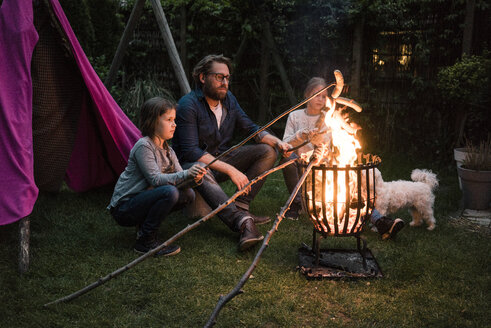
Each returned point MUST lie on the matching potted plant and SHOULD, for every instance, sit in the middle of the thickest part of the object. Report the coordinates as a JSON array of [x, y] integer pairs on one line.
[[475, 175]]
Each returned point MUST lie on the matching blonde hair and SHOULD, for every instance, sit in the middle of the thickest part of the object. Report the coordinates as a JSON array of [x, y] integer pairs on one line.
[[312, 84]]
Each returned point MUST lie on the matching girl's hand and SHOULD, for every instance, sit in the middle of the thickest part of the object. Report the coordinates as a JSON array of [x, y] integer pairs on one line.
[[197, 172]]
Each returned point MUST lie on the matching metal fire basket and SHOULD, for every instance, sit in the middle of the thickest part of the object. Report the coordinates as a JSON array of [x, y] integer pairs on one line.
[[335, 212]]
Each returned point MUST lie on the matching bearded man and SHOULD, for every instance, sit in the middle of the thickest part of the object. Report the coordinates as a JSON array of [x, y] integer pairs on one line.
[[207, 120]]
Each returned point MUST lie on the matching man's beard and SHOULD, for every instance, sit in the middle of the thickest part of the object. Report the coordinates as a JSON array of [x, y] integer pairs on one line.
[[213, 93]]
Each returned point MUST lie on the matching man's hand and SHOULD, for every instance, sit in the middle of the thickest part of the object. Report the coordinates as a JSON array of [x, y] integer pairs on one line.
[[239, 179], [283, 147]]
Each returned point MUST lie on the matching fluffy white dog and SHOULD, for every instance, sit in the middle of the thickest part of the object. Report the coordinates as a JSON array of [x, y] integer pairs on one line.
[[417, 195]]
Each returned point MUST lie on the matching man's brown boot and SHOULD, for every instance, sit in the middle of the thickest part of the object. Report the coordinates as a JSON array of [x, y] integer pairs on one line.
[[249, 236]]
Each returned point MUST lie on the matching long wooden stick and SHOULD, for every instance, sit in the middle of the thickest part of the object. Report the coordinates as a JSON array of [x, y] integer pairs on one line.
[[222, 300], [169, 241], [270, 123]]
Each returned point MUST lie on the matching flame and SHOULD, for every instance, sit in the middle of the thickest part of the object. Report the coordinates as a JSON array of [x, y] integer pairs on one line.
[[342, 151]]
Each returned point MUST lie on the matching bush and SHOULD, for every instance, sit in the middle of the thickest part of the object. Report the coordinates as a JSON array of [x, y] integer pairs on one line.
[[140, 91], [464, 88]]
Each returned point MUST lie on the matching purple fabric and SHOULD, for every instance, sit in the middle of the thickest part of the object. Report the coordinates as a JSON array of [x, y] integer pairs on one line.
[[18, 193], [105, 135]]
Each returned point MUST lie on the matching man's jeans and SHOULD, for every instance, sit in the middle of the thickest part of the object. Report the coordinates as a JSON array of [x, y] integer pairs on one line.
[[252, 160], [148, 208]]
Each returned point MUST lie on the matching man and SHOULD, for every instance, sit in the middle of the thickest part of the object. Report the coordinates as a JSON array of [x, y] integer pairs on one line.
[[207, 120]]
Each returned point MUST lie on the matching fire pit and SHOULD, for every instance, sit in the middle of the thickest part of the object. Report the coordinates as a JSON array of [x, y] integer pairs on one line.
[[338, 202]]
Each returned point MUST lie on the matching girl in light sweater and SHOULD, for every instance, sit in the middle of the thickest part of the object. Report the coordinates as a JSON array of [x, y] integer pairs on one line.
[[304, 124]]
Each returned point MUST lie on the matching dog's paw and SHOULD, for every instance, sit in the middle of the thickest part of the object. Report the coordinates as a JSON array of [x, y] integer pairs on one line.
[[431, 227], [414, 223]]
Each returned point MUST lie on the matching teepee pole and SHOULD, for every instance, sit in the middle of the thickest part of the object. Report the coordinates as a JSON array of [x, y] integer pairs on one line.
[[171, 47], [123, 43], [24, 236]]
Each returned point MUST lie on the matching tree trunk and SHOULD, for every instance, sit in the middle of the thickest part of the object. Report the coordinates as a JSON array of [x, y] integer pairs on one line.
[[171, 47], [263, 81], [357, 59], [468, 27], [279, 64], [240, 52], [123, 43]]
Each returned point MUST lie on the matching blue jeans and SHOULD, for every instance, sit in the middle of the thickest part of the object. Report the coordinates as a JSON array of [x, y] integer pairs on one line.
[[252, 160], [148, 208], [375, 216]]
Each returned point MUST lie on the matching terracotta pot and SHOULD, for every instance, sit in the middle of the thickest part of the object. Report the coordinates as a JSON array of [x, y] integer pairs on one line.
[[476, 188]]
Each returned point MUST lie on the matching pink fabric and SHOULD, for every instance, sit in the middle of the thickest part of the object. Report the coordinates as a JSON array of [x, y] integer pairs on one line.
[[105, 135], [18, 193]]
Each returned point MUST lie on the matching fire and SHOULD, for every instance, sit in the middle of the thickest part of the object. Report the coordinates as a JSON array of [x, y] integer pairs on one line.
[[334, 202]]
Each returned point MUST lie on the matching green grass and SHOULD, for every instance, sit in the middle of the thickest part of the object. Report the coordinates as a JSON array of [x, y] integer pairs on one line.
[[432, 279]]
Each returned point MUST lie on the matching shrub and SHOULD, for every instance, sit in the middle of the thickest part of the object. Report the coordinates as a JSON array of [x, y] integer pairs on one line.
[[464, 88]]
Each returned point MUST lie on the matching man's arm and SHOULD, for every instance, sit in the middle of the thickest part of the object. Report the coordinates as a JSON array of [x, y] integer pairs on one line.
[[237, 177], [274, 142], [245, 124], [186, 134]]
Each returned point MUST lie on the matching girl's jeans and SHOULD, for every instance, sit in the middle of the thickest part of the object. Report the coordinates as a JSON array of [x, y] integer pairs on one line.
[[148, 208]]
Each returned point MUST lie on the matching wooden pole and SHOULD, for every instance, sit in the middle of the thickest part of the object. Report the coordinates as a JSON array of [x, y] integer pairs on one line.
[[240, 144], [171, 47], [24, 236], [123, 43], [169, 241], [222, 300]]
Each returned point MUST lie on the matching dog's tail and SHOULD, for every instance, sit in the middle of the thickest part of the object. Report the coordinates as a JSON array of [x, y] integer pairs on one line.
[[425, 176]]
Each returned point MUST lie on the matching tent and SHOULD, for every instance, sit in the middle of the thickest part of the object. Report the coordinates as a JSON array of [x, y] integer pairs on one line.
[[57, 120]]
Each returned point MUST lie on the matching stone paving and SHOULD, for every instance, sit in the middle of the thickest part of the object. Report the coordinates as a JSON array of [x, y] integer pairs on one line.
[[482, 217]]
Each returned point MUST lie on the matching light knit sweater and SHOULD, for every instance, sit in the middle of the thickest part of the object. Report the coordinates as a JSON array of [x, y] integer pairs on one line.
[[298, 125]]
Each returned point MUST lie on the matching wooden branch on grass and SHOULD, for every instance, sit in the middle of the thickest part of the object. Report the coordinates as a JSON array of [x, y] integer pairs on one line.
[[222, 300], [169, 241]]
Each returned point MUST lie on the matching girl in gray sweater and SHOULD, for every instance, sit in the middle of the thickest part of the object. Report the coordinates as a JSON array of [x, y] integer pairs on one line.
[[146, 192]]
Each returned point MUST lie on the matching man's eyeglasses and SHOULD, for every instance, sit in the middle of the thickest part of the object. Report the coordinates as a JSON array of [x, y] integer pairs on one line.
[[220, 77]]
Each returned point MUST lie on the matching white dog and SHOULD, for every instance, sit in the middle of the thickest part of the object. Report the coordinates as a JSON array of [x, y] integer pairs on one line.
[[417, 195]]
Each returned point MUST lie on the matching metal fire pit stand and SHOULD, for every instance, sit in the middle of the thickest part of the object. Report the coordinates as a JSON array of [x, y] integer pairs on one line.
[[317, 263]]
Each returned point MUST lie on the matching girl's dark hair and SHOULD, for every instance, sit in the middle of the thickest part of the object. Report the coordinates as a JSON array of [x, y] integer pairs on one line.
[[204, 66], [149, 113], [312, 84]]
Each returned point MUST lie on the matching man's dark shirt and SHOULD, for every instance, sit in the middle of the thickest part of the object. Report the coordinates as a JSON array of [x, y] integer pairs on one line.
[[197, 130]]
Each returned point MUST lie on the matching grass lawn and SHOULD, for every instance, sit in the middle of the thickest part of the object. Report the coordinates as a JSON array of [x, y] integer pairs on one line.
[[432, 279]]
